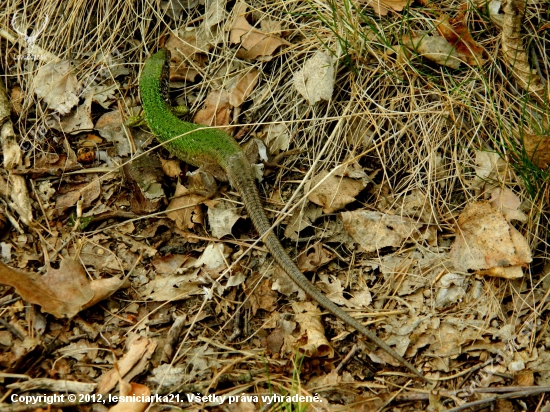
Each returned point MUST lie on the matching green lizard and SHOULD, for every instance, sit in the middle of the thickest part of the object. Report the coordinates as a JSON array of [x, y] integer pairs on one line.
[[218, 153]]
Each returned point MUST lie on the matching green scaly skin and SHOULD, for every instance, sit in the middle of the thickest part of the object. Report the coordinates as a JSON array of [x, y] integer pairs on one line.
[[212, 147]]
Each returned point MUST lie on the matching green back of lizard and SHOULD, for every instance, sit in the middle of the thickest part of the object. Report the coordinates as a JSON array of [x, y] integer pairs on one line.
[[197, 146]]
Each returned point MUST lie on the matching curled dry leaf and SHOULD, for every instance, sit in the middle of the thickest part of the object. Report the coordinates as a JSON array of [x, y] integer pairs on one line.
[[261, 296], [73, 193], [375, 230], [277, 137], [315, 81], [174, 287], [78, 120], [490, 169], [62, 292], [302, 218], [58, 86], [312, 342], [451, 288], [488, 244], [110, 126], [255, 44], [514, 53]]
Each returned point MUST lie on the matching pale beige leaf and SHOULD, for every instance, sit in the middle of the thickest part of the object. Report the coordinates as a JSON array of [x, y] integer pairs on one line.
[[111, 127], [58, 86], [80, 119], [277, 137], [221, 218], [507, 203], [313, 258], [315, 81], [174, 287], [485, 240], [374, 230]]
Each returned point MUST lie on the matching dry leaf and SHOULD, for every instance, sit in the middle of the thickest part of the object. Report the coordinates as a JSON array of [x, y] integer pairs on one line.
[[514, 53], [174, 287], [315, 81], [459, 36], [382, 7], [77, 121], [254, 43], [486, 242], [507, 203], [312, 342], [302, 218], [213, 258], [334, 192], [140, 350], [186, 57], [262, 296], [374, 230], [87, 191], [221, 218], [243, 86], [434, 48], [277, 137], [168, 263], [283, 284], [62, 292], [217, 111], [313, 258], [110, 126], [452, 288], [185, 208], [490, 169], [57, 85], [537, 148]]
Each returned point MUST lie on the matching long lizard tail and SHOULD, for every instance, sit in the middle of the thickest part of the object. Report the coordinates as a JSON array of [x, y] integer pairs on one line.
[[241, 177]]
